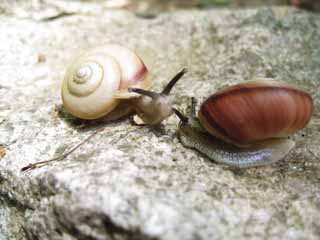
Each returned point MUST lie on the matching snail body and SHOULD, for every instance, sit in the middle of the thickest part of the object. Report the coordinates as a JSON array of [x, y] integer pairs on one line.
[[112, 81], [247, 124]]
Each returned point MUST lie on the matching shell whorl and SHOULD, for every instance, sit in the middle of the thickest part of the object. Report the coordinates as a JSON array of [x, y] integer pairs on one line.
[[97, 80], [84, 78]]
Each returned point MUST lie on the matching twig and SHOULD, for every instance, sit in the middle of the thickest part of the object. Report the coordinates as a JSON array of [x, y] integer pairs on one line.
[[63, 156]]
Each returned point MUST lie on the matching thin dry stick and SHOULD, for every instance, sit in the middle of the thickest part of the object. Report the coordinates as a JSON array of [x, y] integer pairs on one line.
[[63, 156]]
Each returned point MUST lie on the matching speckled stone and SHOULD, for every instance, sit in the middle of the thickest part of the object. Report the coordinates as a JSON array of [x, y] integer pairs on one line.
[[141, 183]]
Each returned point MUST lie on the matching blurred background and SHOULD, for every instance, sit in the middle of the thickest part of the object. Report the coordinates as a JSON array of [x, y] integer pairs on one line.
[[50, 9], [167, 5], [150, 8]]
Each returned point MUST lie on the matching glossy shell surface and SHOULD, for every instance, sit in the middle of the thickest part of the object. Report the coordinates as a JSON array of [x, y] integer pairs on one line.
[[96, 80], [256, 110]]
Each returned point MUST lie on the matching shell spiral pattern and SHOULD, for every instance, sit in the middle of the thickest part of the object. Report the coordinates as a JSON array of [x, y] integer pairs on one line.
[[97, 80]]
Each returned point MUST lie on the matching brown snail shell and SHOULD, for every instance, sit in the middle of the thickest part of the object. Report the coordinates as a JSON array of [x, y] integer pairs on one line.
[[253, 111]]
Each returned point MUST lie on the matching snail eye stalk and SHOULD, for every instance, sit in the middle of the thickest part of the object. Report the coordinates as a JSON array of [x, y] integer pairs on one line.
[[167, 89], [144, 92], [193, 107]]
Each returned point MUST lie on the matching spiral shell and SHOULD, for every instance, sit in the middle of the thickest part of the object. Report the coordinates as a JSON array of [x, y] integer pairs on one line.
[[256, 110], [96, 81]]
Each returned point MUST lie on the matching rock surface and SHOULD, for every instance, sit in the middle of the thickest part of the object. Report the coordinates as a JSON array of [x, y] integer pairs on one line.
[[141, 183]]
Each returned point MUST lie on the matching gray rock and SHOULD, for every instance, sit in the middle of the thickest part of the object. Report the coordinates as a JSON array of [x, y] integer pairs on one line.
[[141, 183]]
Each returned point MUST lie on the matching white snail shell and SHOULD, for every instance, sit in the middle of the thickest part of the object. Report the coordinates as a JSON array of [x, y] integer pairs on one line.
[[96, 81]]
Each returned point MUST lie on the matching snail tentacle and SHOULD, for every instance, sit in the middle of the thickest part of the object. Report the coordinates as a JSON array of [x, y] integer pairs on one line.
[[167, 89], [183, 119], [152, 107], [193, 107], [144, 92]]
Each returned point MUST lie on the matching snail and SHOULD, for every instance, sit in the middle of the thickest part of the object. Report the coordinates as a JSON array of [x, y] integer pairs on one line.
[[112, 81], [248, 124]]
